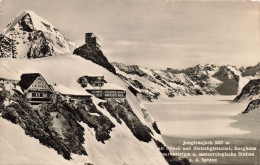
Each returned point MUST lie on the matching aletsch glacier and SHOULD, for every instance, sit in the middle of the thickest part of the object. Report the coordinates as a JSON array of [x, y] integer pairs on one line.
[[215, 86]]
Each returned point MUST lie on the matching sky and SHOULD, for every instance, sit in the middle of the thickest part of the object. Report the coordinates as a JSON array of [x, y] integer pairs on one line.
[[153, 33]]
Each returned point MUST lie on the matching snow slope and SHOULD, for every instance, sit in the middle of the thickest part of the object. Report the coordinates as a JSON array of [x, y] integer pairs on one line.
[[64, 70], [18, 148], [249, 122]]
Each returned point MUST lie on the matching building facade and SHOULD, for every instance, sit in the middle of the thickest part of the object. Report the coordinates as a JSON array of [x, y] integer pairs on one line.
[[35, 88], [107, 93], [92, 40]]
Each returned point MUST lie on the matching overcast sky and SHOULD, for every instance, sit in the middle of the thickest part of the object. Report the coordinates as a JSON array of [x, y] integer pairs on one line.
[[156, 34]]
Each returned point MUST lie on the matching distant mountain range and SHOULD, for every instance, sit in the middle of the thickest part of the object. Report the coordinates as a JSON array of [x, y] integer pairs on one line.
[[149, 84]]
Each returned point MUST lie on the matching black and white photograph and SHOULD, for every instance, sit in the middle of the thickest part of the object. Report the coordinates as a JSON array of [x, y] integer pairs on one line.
[[129, 82]]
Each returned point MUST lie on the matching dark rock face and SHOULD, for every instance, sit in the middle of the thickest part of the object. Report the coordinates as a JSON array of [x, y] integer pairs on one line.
[[138, 84], [229, 79], [6, 46], [130, 69], [251, 71], [40, 122], [123, 111], [155, 127], [26, 23], [101, 124], [250, 90], [230, 87], [254, 104], [95, 55], [40, 46]]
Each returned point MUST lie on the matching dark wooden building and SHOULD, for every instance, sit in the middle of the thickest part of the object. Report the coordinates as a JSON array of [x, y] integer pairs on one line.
[[35, 88]]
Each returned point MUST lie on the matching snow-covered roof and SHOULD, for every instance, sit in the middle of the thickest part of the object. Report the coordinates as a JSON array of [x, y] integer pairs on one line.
[[107, 86], [67, 91]]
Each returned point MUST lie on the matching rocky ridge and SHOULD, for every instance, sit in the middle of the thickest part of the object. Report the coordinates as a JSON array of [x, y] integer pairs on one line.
[[149, 84], [95, 55], [251, 91]]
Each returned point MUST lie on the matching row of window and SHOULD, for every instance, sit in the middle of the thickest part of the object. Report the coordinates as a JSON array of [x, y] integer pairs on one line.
[[37, 94], [39, 86], [81, 97], [106, 91], [110, 95]]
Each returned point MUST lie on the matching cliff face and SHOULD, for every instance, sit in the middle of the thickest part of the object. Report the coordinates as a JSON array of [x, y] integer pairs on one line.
[[251, 71], [149, 84], [251, 91], [95, 55]]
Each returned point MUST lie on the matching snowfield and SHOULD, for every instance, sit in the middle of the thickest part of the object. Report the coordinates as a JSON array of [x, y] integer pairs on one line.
[[200, 117]]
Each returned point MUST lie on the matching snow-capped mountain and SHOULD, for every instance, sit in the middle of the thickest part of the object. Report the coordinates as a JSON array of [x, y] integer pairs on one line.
[[251, 91], [251, 71], [207, 79], [115, 131], [30, 36]]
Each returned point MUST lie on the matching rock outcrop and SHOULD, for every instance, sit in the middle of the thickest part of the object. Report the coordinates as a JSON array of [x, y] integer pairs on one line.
[[251, 91], [95, 55], [251, 71], [253, 105]]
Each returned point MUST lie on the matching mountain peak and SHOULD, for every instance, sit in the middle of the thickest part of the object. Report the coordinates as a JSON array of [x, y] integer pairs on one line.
[[27, 18], [30, 36]]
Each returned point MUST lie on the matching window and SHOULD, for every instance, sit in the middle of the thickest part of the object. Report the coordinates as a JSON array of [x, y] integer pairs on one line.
[[33, 94], [41, 94]]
